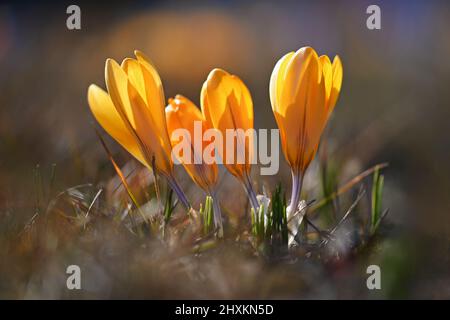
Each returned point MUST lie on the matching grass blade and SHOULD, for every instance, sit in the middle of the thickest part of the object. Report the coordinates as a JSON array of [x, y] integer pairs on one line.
[[121, 175]]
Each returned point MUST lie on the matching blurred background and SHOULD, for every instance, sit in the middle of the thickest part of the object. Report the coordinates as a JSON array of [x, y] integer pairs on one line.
[[394, 105]]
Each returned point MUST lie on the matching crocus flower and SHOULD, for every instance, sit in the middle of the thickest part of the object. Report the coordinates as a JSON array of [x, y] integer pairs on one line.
[[303, 91], [227, 105], [132, 112], [184, 123]]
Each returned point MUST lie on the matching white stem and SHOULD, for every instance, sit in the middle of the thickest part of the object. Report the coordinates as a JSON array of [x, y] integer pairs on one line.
[[297, 181]]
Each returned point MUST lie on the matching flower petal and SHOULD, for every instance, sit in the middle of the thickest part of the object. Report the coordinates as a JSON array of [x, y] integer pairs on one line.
[[106, 114], [205, 106], [133, 70], [117, 84], [148, 133], [153, 83], [337, 82], [277, 82], [296, 69], [155, 96], [327, 74]]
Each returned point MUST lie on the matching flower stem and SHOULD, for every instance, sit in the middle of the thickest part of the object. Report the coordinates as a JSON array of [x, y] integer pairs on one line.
[[180, 194], [250, 193], [217, 214], [297, 181]]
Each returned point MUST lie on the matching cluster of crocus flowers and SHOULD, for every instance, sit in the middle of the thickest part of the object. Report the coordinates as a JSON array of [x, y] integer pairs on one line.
[[132, 112], [227, 105], [182, 115], [303, 91]]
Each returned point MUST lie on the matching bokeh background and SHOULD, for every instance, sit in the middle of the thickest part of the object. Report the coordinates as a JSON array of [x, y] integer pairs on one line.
[[394, 105]]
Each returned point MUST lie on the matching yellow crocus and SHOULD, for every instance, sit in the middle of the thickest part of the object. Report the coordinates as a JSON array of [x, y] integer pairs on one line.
[[227, 105], [303, 92], [182, 115], [132, 112]]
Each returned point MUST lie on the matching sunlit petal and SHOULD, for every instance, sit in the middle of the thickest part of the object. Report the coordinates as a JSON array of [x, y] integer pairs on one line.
[[106, 114], [337, 82], [277, 81]]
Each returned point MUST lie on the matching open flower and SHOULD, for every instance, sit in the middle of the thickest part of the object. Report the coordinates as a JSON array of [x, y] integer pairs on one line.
[[132, 112], [228, 107], [186, 125], [303, 91]]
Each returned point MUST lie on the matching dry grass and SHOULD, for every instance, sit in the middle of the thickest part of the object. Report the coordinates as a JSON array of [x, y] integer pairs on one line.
[[120, 234]]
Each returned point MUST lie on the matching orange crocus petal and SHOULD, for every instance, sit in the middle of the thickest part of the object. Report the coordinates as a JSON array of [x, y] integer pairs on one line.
[[117, 85], [328, 76], [227, 105], [149, 133], [106, 114], [125, 98], [153, 84], [337, 82], [155, 95], [205, 106], [277, 80], [181, 113], [144, 93]]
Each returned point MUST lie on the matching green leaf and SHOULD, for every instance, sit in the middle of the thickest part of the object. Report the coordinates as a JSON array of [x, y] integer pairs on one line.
[[377, 193]]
